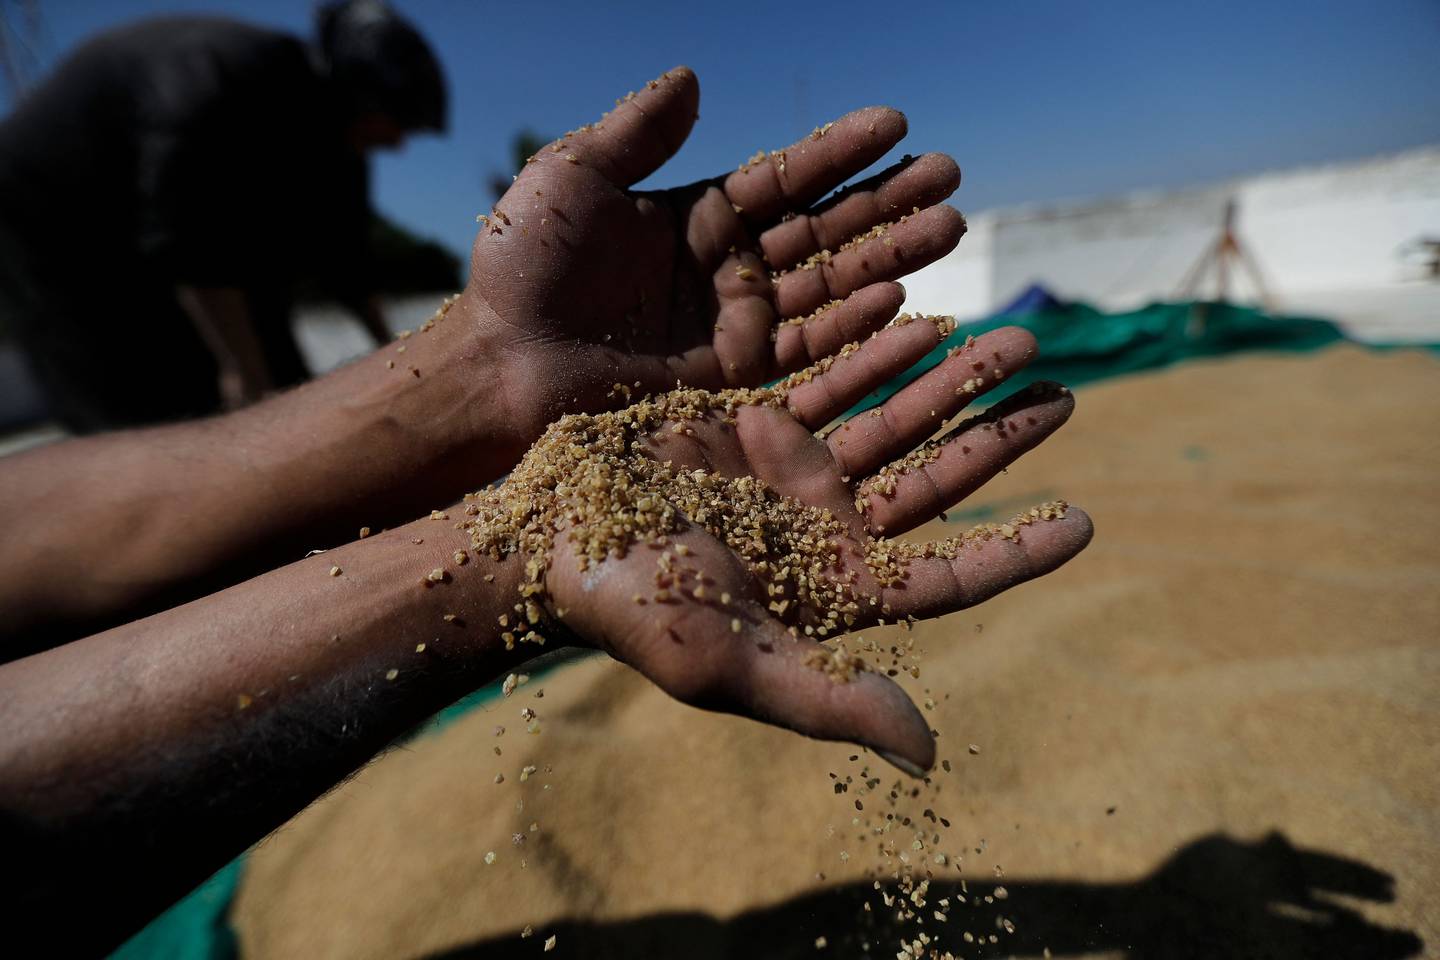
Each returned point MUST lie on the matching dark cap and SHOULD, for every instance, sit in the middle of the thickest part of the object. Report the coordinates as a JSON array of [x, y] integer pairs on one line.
[[379, 62]]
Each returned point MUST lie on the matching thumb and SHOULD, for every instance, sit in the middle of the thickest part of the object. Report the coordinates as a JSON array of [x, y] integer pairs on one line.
[[645, 129], [804, 686]]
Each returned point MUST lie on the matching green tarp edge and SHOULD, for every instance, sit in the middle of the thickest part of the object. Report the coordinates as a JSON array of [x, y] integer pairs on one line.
[[1079, 345]]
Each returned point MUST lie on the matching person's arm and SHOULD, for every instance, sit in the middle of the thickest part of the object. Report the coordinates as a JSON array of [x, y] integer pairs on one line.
[[221, 316], [101, 527], [138, 761]]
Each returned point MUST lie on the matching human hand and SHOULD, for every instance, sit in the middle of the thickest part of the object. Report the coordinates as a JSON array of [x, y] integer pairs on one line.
[[585, 283], [711, 540]]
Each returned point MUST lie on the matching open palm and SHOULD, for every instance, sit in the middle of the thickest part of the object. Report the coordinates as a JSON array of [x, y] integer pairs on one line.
[[588, 283], [733, 644]]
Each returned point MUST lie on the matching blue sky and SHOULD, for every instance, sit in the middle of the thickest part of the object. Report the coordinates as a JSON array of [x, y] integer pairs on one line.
[[1037, 100]]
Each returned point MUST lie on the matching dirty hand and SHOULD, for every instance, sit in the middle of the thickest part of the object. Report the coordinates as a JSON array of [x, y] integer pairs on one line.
[[666, 553], [583, 282]]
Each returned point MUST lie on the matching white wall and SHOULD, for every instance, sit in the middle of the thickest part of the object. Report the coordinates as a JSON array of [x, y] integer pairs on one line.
[[1116, 253], [1337, 229]]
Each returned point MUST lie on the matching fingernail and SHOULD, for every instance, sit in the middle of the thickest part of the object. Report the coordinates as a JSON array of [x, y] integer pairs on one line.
[[905, 766]]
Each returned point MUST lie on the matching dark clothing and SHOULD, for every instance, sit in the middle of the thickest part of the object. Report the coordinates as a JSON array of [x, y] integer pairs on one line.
[[180, 151]]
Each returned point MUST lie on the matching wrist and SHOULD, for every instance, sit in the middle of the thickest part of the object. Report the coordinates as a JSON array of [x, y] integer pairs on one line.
[[511, 365], [438, 610], [501, 624], [431, 399], [411, 427]]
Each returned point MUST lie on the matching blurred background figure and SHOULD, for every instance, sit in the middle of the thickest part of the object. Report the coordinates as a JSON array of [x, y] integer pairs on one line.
[[174, 183]]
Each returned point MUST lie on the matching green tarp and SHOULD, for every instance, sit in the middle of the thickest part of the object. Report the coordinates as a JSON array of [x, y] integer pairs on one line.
[[1079, 344]]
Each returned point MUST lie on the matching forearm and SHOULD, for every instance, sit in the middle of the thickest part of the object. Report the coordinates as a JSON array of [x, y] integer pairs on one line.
[[157, 751], [101, 529]]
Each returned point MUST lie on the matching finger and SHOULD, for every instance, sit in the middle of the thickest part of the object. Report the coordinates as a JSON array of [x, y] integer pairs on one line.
[[821, 393], [823, 693], [806, 340], [898, 192], [766, 673], [773, 184], [986, 562], [743, 328], [877, 436], [900, 249], [909, 492], [644, 130]]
